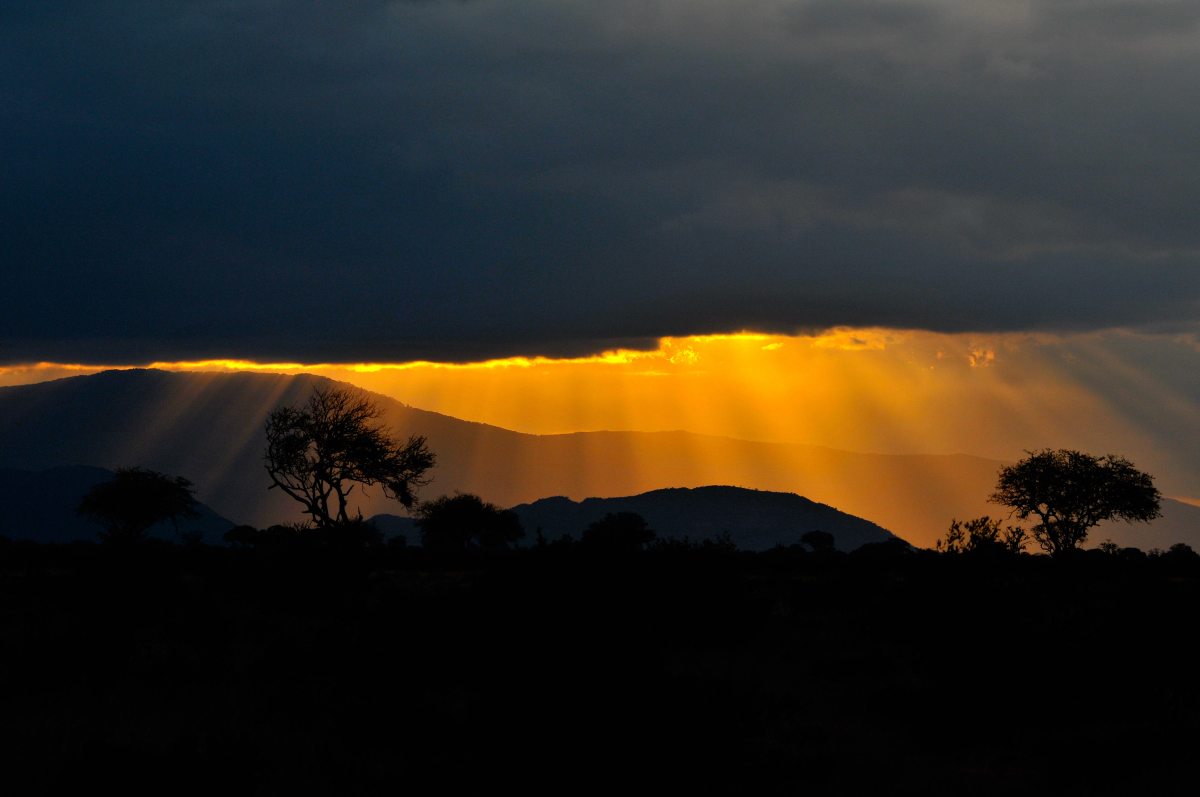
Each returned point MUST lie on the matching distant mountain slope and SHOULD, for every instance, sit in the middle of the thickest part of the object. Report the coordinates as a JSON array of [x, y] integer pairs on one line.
[[1180, 522], [755, 519], [40, 506], [209, 428]]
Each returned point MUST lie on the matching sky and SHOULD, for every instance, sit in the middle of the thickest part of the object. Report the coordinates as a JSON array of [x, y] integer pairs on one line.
[[490, 182], [301, 181]]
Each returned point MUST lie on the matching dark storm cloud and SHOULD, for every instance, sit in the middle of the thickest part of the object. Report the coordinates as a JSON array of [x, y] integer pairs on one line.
[[377, 180]]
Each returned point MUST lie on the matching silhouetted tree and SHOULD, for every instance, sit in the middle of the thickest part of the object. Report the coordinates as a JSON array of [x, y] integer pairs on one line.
[[135, 500], [624, 531], [241, 536], [818, 540], [982, 535], [1180, 560], [318, 452], [1183, 551], [1132, 554], [464, 520], [1070, 492]]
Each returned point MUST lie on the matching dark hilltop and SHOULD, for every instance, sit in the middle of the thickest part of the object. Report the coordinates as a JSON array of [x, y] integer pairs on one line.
[[755, 520]]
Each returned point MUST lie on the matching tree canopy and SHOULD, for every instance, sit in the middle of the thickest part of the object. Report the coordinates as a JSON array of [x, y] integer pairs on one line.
[[317, 453], [818, 540], [462, 521], [134, 501], [1069, 492]]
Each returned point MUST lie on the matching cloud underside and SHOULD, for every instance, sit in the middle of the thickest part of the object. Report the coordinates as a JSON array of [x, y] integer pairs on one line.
[[381, 181]]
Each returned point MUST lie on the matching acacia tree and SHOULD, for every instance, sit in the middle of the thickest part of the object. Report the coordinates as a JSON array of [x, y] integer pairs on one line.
[[462, 521], [1070, 492], [135, 500], [318, 452]]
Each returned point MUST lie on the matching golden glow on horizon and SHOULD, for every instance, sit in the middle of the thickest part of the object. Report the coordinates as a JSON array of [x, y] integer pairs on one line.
[[881, 390], [616, 356]]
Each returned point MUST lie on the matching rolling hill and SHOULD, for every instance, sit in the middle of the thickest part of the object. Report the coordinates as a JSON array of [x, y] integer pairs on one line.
[[209, 428], [755, 520]]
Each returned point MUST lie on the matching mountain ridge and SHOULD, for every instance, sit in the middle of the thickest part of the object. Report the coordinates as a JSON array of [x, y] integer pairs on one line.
[[208, 427], [755, 520]]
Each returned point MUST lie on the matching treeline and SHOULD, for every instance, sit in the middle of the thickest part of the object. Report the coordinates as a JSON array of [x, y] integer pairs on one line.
[[292, 663], [361, 545]]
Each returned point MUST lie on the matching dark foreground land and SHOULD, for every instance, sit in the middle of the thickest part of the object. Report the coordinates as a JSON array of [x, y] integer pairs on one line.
[[284, 671]]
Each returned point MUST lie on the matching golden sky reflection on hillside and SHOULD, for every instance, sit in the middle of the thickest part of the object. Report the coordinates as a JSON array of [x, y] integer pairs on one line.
[[877, 390]]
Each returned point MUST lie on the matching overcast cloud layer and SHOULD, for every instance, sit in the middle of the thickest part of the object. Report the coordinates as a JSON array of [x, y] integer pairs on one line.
[[362, 180]]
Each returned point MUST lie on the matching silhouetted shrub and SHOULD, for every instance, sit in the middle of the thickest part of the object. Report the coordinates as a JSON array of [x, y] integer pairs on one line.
[[460, 522], [884, 550], [818, 540], [347, 535], [721, 544], [1132, 554], [982, 536], [241, 536], [624, 531]]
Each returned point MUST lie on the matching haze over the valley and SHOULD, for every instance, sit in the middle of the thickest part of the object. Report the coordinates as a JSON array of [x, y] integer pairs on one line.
[[209, 427]]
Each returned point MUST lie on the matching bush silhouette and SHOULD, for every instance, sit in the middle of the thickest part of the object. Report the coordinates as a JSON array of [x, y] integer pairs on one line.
[[353, 534], [982, 535], [462, 521], [818, 540], [884, 549], [241, 536], [624, 531]]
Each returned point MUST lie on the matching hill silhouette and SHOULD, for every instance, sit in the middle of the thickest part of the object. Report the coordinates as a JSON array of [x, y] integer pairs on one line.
[[755, 520], [208, 427], [40, 506]]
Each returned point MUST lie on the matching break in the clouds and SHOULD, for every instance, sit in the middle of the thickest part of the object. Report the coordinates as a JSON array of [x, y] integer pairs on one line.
[[308, 181]]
